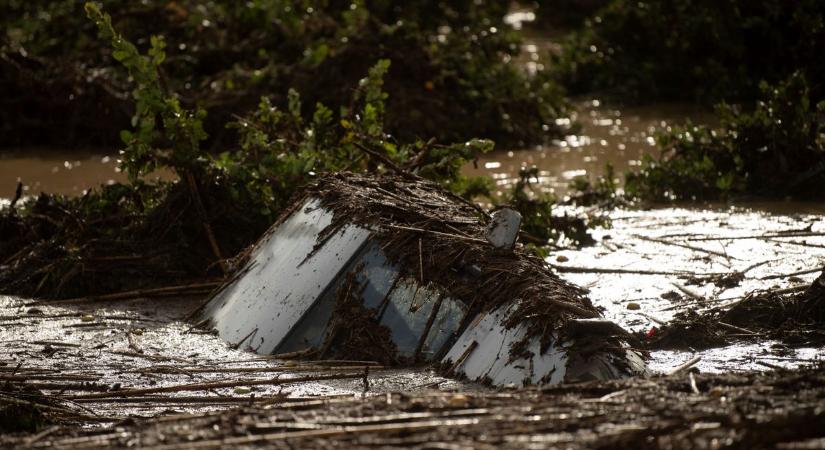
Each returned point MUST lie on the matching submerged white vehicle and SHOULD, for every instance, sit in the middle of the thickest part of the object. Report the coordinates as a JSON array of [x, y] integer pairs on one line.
[[400, 270]]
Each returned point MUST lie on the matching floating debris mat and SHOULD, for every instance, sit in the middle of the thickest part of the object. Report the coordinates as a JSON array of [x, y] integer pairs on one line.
[[398, 270]]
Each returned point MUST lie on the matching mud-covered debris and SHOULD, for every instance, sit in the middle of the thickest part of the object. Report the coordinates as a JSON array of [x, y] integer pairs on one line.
[[418, 260], [24, 409], [745, 411], [795, 318]]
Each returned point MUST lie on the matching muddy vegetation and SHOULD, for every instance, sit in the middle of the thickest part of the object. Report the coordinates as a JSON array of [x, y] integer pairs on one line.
[[793, 318]]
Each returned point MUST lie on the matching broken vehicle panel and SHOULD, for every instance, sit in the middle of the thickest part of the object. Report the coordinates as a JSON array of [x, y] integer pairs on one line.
[[320, 283], [283, 279]]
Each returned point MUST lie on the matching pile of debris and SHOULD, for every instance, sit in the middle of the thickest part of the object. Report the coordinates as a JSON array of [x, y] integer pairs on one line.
[[399, 270], [791, 316], [735, 411]]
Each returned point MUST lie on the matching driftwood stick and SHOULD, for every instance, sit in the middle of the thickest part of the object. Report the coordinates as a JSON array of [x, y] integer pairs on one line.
[[321, 433], [387, 162], [689, 292], [156, 399], [138, 293], [39, 377], [463, 357], [193, 186], [56, 409], [759, 236], [788, 275], [216, 385], [576, 309], [309, 367], [737, 329], [677, 244], [802, 244], [687, 365], [30, 441], [659, 322], [754, 266], [18, 193], [692, 381], [571, 269], [420, 261], [437, 233]]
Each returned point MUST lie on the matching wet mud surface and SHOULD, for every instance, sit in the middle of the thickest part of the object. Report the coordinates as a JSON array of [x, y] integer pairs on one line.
[[139, 358], [652, 266]]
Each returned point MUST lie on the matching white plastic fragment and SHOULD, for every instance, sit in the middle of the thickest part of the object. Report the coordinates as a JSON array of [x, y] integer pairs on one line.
[[503, 229]]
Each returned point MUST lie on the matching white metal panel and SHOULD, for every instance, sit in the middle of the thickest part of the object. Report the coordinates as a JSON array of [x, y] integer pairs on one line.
[[374, 275], [503, 229], [601, 367], [491, 357], [283, 281]]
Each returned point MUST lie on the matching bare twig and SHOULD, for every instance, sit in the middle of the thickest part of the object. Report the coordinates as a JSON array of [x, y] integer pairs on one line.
[[737, 329], [758, 236], [572, 269], [692, 381], [193, 186], [677, 244], [216, 385], [687, 365], [138, 293], [438, 233], [788, 275], [689, 292]]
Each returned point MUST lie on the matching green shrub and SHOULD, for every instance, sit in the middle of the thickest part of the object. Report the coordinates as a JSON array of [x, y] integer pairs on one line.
[[451, 75], [777, 149]]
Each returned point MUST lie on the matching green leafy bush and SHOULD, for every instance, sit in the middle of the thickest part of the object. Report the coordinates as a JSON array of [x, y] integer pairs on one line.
[[122, 237], [564, 14], [540, 225], [603, 192], [452, 77], [777, 149]]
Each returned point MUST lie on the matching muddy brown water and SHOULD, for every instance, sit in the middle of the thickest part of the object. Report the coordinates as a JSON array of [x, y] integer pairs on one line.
[[60, 171], [56, 171], [620, 137]]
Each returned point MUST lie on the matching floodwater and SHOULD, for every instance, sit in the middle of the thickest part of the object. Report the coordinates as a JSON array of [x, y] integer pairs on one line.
[[135, 345], [619, 137], [67, 172], [607, 135], [774, 251], [99, 355], [54, 171]]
